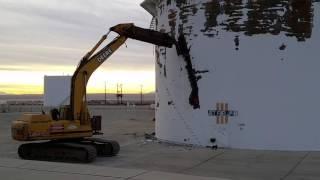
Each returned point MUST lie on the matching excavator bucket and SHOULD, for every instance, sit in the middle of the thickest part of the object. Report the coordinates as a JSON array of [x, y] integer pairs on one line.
[[145, 35]]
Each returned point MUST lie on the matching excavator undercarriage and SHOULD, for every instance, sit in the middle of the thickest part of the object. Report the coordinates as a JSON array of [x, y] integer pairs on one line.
[[72, 150]]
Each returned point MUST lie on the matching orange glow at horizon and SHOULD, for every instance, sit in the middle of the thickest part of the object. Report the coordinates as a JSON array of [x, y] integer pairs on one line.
[[30, 81]]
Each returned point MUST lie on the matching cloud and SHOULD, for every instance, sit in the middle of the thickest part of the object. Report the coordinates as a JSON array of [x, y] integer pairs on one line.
[[50, 37], [58, 31]]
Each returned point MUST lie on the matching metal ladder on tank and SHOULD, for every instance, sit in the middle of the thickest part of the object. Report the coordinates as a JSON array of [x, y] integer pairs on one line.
[[153, 24]]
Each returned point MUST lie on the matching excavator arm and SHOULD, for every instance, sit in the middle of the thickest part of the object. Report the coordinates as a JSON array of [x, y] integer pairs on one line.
[[90, 63], [145, 35]]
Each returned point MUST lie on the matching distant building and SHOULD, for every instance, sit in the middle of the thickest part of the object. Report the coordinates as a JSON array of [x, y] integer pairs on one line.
[[56, 90]]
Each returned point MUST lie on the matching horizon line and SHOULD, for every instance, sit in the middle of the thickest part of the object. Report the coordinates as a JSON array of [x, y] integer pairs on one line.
[[7, 94]]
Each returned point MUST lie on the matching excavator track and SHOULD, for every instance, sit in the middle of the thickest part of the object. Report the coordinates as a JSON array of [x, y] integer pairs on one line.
[[72, 150], [58, 151], [105, 148]]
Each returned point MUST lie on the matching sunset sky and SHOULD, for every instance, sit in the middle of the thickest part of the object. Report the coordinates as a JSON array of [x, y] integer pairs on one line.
[[40, 38]]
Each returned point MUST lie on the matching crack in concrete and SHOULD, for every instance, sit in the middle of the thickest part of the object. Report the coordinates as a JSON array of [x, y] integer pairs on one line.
[[199, 164], [136, 175], [295, 166]]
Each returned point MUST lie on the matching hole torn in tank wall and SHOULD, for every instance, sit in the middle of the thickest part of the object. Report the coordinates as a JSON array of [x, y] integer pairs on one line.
[[182, 48]]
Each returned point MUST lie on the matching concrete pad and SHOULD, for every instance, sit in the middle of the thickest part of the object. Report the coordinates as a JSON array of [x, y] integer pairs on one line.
[[80, 169], [99, 170], [309, 168], [154, 175], [63, 171], [5, 162], [119, 172], [23, 174], [159, 157], [303, 177], [241, 164], [281, 156], [138, 157], [39, 165], [313, 157]]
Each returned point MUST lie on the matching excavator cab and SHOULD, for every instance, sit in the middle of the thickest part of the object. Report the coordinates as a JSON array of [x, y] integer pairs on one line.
[[55, 114]]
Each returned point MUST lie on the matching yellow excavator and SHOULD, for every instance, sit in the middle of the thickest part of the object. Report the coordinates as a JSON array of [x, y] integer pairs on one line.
[[66, 134]]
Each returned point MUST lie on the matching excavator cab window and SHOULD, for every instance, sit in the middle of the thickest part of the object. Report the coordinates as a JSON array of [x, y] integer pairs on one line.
[[55, 114]]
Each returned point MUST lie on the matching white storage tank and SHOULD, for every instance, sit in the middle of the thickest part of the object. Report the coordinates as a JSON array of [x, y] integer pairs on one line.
[[254, 69]]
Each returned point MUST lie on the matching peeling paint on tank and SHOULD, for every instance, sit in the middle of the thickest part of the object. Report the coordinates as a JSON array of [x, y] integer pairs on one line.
[[187, 30], [236, 42], [181, 2], [158, 57], [186, 8], [184, 14], [282, 47], [172, 14], [163, 52], [295, 18], [234, 10], [172, 17], [161, 8], [211, 11], [170, 102]]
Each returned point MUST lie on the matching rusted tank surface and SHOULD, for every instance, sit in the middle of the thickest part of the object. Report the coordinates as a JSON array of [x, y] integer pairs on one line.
[[253, 69]]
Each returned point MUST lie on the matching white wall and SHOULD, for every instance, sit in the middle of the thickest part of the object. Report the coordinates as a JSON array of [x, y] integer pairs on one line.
[[275, 92], [56, 90]]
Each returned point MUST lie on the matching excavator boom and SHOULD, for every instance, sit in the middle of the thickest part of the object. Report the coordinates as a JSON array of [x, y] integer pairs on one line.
[[90, 62]]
